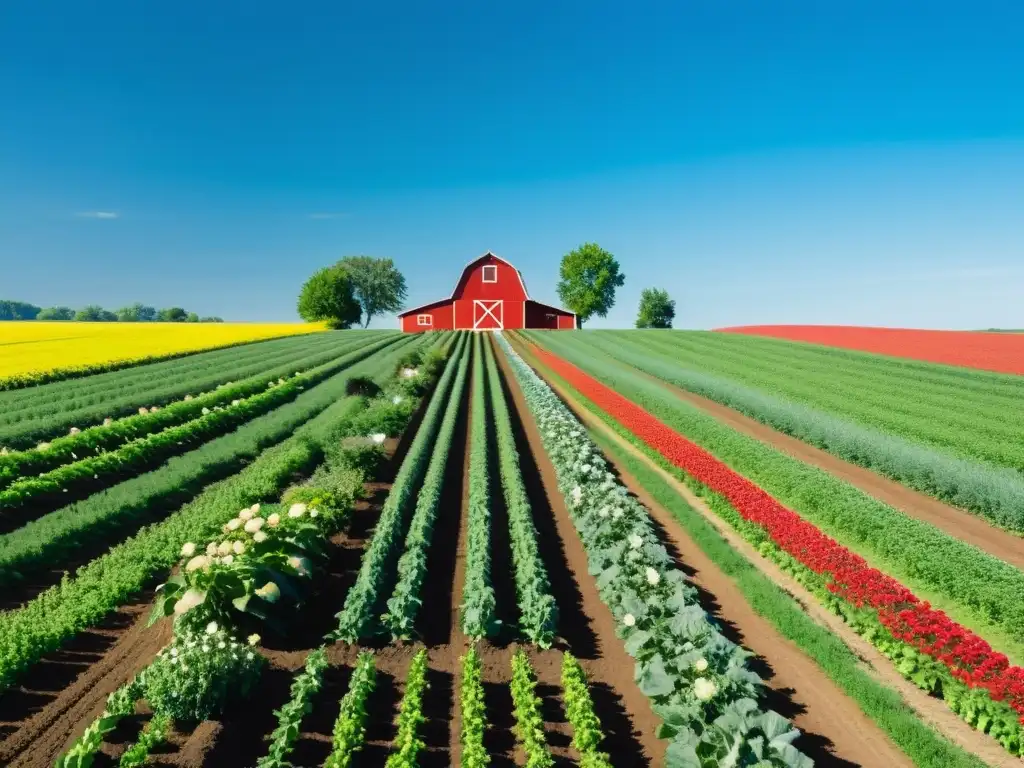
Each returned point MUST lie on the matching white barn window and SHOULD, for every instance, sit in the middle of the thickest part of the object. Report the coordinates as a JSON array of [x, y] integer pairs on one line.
[[490, 273], [424, 320]]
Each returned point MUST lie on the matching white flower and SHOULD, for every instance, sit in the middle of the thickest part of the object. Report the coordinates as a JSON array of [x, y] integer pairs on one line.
[[635, 541], [227, 559], [617, 514], [250, 656], [245, 514], [224, 548], [174, 651], [222, 645], [704, 689], [603, 512], [74, 431], [197, 562], [254, 525], [314, 512], [143, 410], [253, 640], [187, 398], [188, 601], [396, 399], [107, 421], [577, 495], [296, 510], [238, 547], [269, 592], [700, 665], [211, 548], [75, 456], [234, 524], [259, 537], [273, 520], [653, 577], [206, 411], [255, 508], [43, 447], [235, 401], [629, 620], [378, 437], [206, 648], [211, 628], [300, 564], [188, 550]]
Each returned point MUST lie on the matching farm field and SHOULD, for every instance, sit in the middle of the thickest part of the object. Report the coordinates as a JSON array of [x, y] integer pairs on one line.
[[455, 548], [41, 351], [985, 350]]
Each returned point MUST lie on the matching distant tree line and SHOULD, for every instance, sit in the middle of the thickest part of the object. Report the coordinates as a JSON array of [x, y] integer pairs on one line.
[[136, 313]]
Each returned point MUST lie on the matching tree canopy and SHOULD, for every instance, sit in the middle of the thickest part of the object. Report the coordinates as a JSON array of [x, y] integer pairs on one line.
[[589, 277], [172, 315], [329, 296], [376, 285], [136, 313], [18, 310], [56, 313], [657, 310]]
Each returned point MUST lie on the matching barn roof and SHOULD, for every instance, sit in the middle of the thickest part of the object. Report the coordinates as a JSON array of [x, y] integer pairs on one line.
[[459, 282]]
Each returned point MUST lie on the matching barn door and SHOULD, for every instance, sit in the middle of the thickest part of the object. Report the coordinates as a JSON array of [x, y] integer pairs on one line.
[[488, 314]]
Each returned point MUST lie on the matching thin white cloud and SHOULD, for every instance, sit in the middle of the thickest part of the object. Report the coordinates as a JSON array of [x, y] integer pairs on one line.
[[327, 215], [98, 215]]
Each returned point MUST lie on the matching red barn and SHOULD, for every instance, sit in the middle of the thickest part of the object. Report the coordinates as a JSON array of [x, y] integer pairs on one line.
[[490, 295]]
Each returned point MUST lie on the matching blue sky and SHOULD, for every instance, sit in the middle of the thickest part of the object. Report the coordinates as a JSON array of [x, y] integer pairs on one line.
[[841, 162]]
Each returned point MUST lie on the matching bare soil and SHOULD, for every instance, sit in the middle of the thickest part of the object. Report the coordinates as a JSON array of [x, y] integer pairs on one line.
[[828, 714]]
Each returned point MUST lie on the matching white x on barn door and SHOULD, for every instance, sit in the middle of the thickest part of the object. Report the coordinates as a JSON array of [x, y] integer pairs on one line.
[[488, 314]]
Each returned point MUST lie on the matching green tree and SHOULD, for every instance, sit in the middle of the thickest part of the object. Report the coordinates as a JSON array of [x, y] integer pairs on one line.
[[328, 295], [589, 277], [193, 317], [657, 310], [211, 320], [136, 313], [172, 315], [56, 313], [18, 310], [376, 285], [95, 314]]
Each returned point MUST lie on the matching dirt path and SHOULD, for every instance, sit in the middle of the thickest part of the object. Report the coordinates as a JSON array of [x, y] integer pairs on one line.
[[841, 720], [956, 522]]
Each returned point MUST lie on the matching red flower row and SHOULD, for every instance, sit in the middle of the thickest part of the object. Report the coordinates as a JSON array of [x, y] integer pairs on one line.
[[907, 618]]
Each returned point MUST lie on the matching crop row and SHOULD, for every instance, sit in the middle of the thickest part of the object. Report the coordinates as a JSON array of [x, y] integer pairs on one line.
[[376, 569], [349, 733], [697, 680], [408, 741], [969, 659], [53, 418], [478, 600], [527, 710], [980, 589], [993, 492], [579, 711], [114, 433], [405, 601], [45, 541], [289, 717], [92, 473], [46, 622], [538, 610]]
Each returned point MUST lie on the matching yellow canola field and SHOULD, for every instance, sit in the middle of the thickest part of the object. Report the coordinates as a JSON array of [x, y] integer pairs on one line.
[[32, 350]]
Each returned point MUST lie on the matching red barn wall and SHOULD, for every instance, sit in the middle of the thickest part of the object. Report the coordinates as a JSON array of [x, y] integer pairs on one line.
[[472, 286], [511, 314], [566, 322], [441, 316]]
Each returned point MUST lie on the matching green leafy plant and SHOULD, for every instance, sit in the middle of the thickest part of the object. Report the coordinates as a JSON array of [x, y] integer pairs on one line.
[[154, 734], [529, 725], [408, 742], [289, 717], [656, 310], [537, 607], [579, 711], [473, 713], [350, 727], [120, 704]]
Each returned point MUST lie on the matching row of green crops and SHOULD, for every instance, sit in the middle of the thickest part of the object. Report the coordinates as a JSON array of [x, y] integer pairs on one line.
[[528, 712], [102, 516], [478, 600], [376, 569], [963, 478], [91, 473], [973, 587], [408, 741], [61, 411], [579, 711], [46, 622], [405, 601], [115, 433], [289, 717], [697, 680], [349, 733], [538, 611], [472, 712]]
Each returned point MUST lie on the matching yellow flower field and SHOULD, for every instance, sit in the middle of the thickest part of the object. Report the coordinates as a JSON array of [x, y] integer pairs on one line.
[[34, 350]]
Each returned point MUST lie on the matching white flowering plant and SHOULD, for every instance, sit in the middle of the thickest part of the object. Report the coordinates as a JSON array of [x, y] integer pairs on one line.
[[697, 680], [200, 673]]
